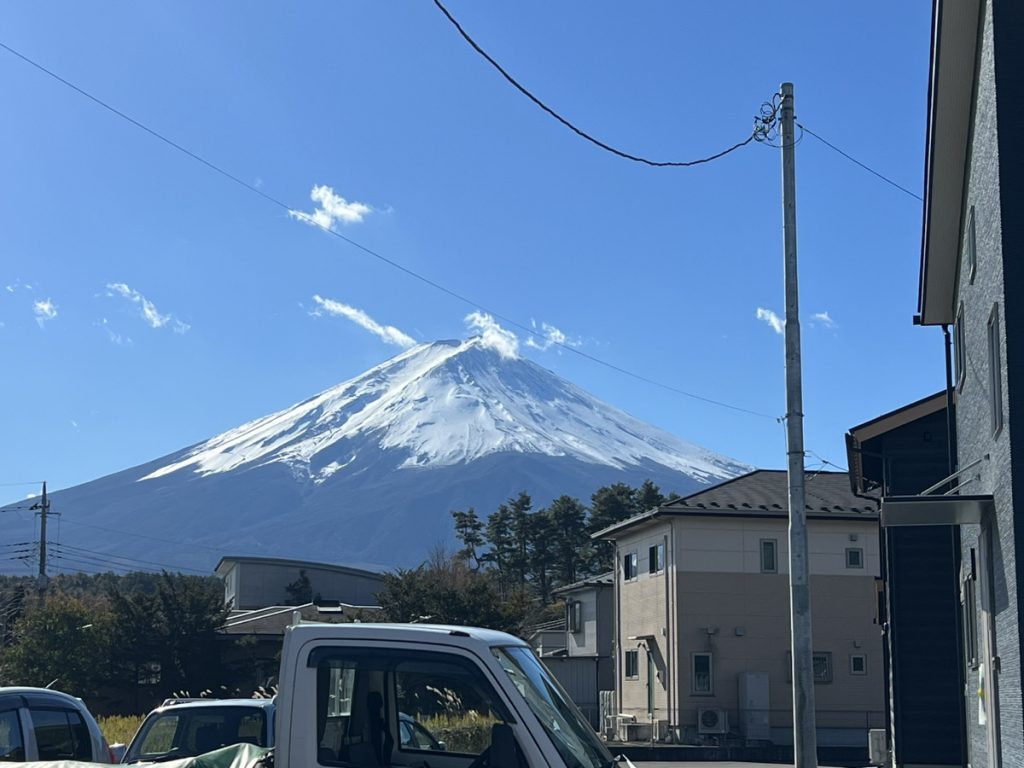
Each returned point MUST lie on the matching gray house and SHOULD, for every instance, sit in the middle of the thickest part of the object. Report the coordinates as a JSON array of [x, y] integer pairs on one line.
[[971, 271], [258, 582]]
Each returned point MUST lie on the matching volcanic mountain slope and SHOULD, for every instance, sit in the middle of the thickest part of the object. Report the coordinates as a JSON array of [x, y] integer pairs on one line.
[[367, 472]]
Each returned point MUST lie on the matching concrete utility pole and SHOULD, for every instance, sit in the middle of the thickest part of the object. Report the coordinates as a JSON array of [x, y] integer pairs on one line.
[[43, 505], [805, 745]]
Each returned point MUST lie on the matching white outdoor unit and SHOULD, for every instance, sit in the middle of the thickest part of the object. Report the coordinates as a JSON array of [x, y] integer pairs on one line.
[[754, 706], [878, 751], [712, 720]]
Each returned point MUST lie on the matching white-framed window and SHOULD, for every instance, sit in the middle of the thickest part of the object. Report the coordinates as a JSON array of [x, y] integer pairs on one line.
[[854, 557], [968, 611], [574, 616], [702, 674], [995, 371], [971, 246], [821, 662], [656, 558], [959, 348], [632, 666], [858, 664], [629, 566], [769, 556]]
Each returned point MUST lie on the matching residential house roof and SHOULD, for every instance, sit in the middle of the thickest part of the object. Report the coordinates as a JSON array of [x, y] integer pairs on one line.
[[228, 560], [761, 493], [601, 580]]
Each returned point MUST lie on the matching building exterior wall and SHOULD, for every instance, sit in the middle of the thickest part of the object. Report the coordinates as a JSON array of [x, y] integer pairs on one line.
[[975, 439], [714, 598], [260, 584], [584, 642]]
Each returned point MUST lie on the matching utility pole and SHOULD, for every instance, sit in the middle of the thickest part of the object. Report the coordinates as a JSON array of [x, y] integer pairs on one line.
[[43, 505], [805, 748]]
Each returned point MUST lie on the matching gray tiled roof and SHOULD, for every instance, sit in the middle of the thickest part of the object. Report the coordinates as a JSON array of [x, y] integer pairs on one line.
[[766, 491], [761, 493]]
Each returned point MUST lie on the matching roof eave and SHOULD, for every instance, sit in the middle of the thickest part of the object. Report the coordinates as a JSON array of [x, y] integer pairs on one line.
[[950, 95]]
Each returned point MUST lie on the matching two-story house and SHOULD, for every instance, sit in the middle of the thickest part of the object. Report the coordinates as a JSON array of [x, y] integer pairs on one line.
[[702, 613]]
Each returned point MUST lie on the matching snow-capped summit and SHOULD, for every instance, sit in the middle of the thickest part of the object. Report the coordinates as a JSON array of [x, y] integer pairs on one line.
[[444, 404], [367, 472]]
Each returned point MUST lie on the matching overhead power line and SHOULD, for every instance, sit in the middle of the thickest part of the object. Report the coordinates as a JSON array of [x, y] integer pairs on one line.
[[769, 108], [754, 135], [122, 559], [855, 161]]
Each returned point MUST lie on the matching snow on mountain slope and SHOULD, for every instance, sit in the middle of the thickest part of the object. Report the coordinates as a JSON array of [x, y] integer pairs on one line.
[[444, 404]]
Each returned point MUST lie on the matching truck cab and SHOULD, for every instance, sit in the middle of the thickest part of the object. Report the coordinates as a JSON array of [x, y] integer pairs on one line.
[[421, 696]]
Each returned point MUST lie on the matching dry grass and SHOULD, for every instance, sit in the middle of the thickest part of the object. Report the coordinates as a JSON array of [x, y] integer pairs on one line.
[[119, 729]]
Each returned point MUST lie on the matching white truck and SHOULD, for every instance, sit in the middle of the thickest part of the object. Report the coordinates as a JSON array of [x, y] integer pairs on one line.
[[419, 696]]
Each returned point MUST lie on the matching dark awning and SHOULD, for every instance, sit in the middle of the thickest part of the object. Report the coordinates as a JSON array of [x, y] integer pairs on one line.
[[934, 510]]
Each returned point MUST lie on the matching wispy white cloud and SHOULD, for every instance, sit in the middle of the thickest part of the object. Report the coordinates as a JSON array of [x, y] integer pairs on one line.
[[44, 310], [777, 323], [147, 309], [502, 340], [548, 336], [332, 209], [823, 318], [386, 333], [114, 336]]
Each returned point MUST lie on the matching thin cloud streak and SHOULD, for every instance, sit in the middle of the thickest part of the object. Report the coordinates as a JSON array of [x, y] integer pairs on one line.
[[550, 336], [147, 309], [823, 318], [777, 324], [386, 333]]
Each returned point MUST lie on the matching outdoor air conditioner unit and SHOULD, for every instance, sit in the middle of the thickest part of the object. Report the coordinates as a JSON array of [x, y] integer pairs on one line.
[[878, 751], [712, 720]]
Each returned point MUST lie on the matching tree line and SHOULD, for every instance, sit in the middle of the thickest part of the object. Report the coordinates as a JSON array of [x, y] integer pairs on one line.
[[509, 563]]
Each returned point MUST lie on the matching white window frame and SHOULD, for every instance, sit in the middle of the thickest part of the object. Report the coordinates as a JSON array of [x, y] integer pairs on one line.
[[775, 555], [710, 691], [825, 656], [631, 659], [631, 558], [859, 565], [972, 247], [656, 558], [959, 349], [863, 658], [995, 371]]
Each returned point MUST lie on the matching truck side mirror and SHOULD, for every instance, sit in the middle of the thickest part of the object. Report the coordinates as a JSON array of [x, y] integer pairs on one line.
[[504, 751]]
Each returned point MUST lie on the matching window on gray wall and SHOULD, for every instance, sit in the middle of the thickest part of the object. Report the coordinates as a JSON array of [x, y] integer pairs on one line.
[[854, 557], [629, 566], [702, 678], [632, 664], [995, 371], [959, 347], [769, 556], [971, 245], [574, 616], [656, 558]]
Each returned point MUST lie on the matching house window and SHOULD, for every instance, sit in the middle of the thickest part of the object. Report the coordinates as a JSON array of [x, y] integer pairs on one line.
[[656, 558], [702, 678], [854, 557], [769, 556], [821, 663], [629, 566], [574, 616], [972, 247], [858, 664], [995, 371], [959, 347], [632, 665], [968, 604]]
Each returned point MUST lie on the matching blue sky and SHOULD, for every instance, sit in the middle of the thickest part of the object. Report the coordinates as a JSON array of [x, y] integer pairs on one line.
[[147, 303]]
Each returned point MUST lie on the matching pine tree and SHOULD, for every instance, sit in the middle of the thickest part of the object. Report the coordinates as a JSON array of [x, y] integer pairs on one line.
[[571, 543], [469, 530]]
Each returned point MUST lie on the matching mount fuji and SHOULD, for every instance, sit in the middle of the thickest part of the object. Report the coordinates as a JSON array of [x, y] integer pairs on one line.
[[366, 473]]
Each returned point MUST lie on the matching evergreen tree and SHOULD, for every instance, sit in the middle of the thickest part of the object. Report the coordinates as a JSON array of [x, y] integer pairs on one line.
[[541, 552], [519, 509], [469, 529], [300, 591], [570, 541], [648, 496], [501, 538], [609, 505]]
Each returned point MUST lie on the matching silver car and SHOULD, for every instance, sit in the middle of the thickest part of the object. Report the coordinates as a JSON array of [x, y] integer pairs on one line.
[[40, 724]]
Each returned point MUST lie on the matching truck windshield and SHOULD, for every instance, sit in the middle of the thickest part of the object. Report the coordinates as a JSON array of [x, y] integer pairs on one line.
[[572, 736]]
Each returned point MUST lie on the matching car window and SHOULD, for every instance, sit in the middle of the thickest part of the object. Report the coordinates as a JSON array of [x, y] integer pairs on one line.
[[158, 738], [197, 730], [12, 749], [61, 734]]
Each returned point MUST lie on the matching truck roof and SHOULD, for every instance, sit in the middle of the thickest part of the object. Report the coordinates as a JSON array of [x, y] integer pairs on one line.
[[430, 633]]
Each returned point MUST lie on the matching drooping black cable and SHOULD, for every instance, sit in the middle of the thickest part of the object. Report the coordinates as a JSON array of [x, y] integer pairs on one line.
[[579, 131]]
